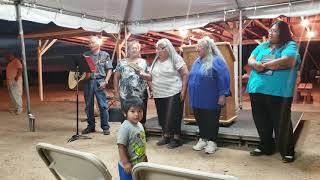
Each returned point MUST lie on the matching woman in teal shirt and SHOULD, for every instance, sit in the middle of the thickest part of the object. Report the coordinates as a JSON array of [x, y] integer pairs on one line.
[[271, 85]]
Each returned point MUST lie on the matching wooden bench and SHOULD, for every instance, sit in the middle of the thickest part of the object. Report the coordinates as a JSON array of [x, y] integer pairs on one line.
[[304, 90]]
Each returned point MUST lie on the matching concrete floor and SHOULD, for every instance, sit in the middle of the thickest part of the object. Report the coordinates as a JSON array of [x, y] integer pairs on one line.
[[55, 123]]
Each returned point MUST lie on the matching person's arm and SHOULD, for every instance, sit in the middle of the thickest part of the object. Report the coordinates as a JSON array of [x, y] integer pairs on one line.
[[183, 71], [19, 74], [108, 76], [281, 63], [287, 59], [145, 75], [124, 158], [258, 66], [116, 78], [19, 67], [223, 80]]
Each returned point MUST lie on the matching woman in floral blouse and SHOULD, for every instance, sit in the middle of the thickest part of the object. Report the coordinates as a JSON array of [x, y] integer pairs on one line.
[[129, 77]]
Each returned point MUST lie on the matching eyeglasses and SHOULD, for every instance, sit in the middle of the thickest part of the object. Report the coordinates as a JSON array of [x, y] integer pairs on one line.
[[273, 30], [160, 48]]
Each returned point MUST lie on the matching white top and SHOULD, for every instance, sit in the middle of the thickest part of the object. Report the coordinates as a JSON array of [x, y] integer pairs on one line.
[[12, 69], [166, 80]]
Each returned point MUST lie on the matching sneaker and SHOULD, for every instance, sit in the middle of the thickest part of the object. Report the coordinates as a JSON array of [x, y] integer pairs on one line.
[[211, 147], [201, 144], [174, 143], [287, 159], [106, 132], [163, 141], [256, 152], [87, 131]]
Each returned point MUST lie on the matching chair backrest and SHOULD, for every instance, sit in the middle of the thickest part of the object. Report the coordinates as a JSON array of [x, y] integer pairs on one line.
[[70, 164], [150, 171]]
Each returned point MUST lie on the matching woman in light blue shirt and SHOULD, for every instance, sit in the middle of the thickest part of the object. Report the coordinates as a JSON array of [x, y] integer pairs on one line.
[[271, 85]]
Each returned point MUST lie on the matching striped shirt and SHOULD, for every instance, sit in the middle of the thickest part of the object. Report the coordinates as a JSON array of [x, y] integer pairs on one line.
[[166, 80]]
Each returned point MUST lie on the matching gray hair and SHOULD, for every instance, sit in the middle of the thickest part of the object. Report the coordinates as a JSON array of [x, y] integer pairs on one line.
[[130, 44], [173, 55], [212, 51]]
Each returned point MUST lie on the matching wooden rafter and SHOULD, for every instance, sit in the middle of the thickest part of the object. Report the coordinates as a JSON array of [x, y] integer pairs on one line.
[[259, 23]]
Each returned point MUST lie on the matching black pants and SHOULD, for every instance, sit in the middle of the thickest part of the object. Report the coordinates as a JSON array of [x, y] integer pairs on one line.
[[208, 122], [170, 112], [273, 113]]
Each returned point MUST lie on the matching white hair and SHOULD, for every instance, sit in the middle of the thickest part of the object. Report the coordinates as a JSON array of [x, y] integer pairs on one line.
[[130, 44], [94, 39], [173, 55], [212, 51]]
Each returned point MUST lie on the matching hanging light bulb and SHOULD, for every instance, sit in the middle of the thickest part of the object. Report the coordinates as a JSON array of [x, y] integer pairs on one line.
[[305, 22], [100, 41], [183, 33], [310, 34]]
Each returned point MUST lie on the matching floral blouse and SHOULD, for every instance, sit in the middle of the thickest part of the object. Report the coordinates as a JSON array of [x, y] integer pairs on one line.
[[130, 83]]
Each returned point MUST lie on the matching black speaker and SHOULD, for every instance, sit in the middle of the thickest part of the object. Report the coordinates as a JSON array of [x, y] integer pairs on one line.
[[116, 115]]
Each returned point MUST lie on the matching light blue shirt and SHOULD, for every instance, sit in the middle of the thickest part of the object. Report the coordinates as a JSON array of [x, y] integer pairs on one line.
[[280, 82]]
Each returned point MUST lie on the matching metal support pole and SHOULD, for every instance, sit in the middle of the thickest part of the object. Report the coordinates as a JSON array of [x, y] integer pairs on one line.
[[31, 117], [240, 59]]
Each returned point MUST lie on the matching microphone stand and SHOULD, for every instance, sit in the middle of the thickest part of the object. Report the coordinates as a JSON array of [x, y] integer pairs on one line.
[[77, 135]]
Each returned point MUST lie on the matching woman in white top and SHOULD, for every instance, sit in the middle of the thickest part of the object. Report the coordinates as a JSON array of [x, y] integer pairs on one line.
[[169, 84]]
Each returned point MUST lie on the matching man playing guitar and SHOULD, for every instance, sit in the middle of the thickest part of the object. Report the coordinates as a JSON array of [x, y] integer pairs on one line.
[[95, 84]]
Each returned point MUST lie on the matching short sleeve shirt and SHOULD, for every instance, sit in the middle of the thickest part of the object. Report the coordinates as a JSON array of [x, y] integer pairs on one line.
[[133, 137], [130, 83], [102, 62], [166, 80], [281, 82]]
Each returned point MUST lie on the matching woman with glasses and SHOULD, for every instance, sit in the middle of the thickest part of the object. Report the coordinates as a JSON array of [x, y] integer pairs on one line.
[[169, 84], [129, 77], [271, 84], [208, 87]]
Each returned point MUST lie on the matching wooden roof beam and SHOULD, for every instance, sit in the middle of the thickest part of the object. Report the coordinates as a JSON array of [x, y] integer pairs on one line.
[[163, 35], [259, 23], [217, 34], [253, 33]]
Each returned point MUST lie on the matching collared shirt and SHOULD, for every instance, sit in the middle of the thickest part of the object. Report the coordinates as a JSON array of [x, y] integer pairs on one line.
[[204, 88], [102, 62], [280, 82]]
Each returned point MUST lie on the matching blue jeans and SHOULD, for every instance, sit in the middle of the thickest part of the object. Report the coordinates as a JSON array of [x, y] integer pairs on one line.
[[90, 88], [123, 175]]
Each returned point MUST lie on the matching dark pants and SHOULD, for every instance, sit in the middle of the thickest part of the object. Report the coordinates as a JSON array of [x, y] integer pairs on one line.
[[273, 113], [170, 112], [208, 122]]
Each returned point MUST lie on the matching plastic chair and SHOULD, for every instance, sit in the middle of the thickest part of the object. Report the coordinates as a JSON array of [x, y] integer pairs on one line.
[[70, 164], [150, 171]]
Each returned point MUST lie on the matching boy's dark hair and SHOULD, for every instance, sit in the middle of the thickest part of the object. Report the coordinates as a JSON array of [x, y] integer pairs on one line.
[[132, 102]]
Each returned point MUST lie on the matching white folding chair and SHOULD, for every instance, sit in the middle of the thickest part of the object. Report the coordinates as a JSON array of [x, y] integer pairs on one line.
[[70, 164], [150, 171]]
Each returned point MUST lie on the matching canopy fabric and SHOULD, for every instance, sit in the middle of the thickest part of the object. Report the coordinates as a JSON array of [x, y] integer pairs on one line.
[[142, 16]]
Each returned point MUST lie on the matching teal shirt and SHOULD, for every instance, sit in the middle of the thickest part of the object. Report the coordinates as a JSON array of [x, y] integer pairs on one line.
[[280, 82]]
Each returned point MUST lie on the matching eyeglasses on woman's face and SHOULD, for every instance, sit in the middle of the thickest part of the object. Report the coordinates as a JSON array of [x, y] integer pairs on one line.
[[159, 48]]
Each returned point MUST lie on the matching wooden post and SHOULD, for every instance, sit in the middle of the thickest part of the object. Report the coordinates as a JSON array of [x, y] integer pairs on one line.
[[40, 71], [41, 50]]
